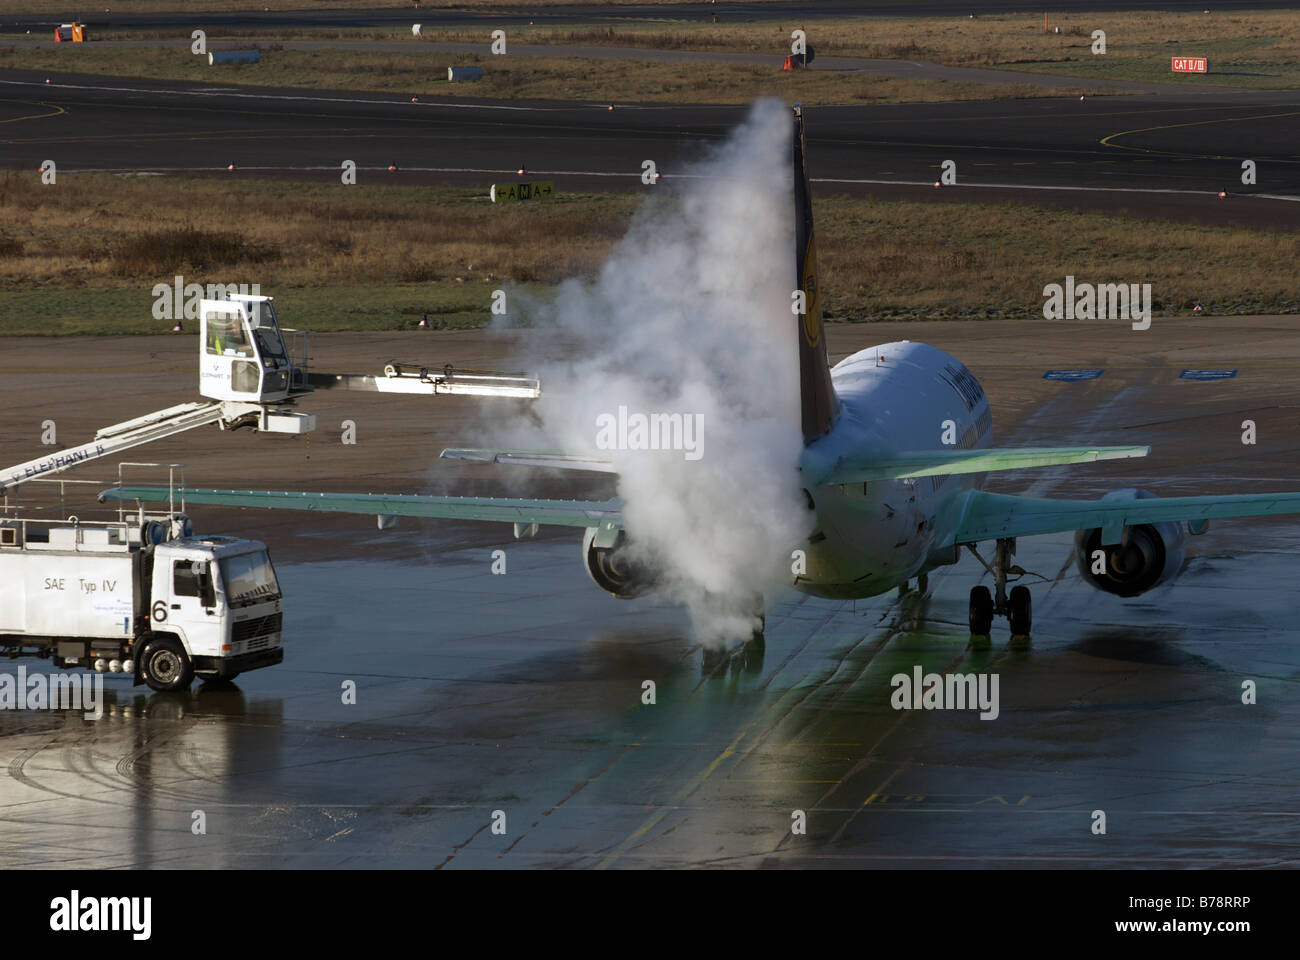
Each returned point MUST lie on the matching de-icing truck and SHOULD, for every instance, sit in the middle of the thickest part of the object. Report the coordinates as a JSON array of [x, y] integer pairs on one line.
[[142, 595], [146, 595]]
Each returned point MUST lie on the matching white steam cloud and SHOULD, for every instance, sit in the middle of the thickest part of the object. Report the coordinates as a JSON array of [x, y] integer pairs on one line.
[[691, 315]]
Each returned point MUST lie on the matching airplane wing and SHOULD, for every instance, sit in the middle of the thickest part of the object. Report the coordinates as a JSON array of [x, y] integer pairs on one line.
[[605, 515], [926, 463], [533, 458], [922, 463], [989, 516]]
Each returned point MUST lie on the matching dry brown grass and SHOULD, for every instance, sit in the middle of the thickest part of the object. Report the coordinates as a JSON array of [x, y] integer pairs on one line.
[[514, 77], [49, 10], [365, 257], [982, 42], [110, 230], [1253, 48], [180, 249], [904, 259]]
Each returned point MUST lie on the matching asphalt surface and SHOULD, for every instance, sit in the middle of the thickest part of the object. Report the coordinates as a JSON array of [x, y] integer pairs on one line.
[[578, 13], [522, 693], [1159, 153]]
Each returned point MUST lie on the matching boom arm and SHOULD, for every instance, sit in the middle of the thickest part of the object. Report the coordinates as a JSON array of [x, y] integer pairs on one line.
[[449, 381], [119, 437]]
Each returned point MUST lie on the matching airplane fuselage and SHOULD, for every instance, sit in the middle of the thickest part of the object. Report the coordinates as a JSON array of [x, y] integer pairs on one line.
[[894, 398]]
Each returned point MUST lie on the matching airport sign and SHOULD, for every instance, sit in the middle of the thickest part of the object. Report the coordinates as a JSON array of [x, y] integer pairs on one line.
[[522, 191]]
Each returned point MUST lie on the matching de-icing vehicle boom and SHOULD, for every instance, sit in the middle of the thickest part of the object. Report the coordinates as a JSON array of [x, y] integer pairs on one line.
[[253, 378]]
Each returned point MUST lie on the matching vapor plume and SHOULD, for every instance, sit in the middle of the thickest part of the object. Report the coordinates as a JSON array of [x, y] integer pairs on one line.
[[691, 315]]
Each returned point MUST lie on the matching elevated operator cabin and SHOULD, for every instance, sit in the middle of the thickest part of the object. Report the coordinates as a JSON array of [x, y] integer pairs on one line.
[[243, 355]]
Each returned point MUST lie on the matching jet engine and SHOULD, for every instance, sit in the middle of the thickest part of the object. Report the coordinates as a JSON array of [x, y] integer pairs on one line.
[[1147, 555], [614, 571]]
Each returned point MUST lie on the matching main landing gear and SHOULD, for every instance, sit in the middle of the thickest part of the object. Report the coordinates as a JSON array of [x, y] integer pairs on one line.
[[1017, 606], [748, 657]]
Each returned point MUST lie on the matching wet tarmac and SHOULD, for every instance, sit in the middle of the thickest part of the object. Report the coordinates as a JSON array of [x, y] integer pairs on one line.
[[522, 693]]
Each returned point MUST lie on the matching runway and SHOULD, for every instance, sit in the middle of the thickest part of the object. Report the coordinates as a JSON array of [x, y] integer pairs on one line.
[[1142, 149], [522, 693]]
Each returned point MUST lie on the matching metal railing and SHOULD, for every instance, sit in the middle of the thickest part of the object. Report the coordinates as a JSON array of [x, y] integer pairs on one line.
[[61, 489], [297, 347], [173, 489]]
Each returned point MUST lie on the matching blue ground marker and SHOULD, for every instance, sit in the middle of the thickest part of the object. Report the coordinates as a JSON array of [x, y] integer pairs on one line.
[[1070, 376], [1207, 374]]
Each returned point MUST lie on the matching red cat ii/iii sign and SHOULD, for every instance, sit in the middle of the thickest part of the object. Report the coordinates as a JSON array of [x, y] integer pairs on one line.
[[1190, 65]]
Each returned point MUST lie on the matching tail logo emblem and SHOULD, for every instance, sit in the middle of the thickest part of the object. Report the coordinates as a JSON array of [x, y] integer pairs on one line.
[[812, 317]]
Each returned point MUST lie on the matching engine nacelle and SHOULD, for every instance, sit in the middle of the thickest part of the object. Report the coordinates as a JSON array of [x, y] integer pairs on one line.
[[611, 568], [1148, 554]]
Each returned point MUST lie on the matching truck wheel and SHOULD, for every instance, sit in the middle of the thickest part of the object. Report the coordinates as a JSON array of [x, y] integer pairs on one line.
[[166, 665]]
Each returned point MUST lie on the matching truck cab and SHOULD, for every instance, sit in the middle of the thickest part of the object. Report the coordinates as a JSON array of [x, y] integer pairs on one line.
[[215, 611], [143, 596], [243, 354]]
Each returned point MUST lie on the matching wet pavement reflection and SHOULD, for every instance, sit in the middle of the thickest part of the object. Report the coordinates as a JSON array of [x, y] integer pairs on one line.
[[524, 694]]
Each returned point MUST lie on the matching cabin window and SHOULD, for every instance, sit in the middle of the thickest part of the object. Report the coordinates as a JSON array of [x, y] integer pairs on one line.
[[226, 336], [185, 582]]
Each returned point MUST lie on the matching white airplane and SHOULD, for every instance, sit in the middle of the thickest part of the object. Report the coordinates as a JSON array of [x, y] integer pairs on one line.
[[892, 500]]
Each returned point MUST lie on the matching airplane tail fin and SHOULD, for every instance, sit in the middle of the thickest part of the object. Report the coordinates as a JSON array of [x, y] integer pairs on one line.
[[817, 395]]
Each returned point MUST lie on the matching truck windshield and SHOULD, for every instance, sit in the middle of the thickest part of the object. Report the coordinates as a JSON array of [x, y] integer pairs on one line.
[[249, 577]]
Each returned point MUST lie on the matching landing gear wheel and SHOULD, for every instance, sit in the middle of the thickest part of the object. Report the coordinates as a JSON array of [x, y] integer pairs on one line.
[[752, 655], [981, 611], [711, 659], [166, 666], [1020, 611]]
